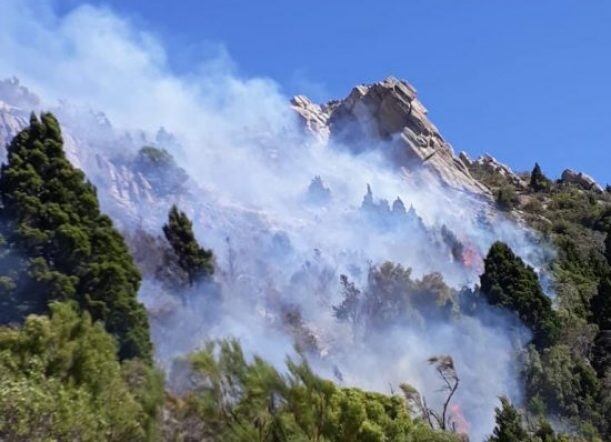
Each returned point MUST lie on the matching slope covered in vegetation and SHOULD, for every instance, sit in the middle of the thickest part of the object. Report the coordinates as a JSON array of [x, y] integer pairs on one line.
[[75, 352], [569, 376]]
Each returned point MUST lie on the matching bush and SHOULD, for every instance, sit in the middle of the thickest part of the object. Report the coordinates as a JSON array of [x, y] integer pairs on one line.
[[506, 198], [237, 400], [60, 380]]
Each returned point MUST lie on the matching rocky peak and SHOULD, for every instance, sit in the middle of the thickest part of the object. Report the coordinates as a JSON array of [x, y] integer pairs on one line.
[[389, 117], [315, 118], [491, 165], [580, 179]]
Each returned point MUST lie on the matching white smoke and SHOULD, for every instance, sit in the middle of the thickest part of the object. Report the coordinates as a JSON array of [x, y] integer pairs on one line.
[[252, 164]]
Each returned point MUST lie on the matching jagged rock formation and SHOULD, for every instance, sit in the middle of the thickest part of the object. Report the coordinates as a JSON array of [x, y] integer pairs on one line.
[[491, 165], [582, 180], [315, 117], [388, 116]]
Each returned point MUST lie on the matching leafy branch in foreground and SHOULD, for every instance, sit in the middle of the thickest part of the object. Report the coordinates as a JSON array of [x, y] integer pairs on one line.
[[240, 400]]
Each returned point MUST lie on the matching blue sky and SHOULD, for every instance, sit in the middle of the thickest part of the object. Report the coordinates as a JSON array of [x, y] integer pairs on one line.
[[525, 81]]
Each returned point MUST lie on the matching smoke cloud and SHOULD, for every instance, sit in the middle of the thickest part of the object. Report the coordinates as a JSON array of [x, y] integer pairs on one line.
[[281, 239]]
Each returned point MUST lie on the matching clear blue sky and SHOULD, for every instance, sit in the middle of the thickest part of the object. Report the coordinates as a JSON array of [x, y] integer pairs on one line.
[[525, 81]]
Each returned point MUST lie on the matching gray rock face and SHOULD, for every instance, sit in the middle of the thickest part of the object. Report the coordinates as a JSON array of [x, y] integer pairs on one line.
[[315, 117], [582, 180], [388, 116], [124, 189]]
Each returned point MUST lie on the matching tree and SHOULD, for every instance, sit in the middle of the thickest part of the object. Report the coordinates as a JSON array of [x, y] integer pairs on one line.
[[240, 399], [538, 181], [59, 246], [60, 380], [348, 309], [508, 424], [444, 365], [508, 282], [600, 314], [196, 261], [506, 197], [161, 171]]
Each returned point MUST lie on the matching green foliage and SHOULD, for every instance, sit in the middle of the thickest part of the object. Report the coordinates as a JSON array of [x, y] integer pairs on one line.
[[510, 427], [538, 181], [566, 384], [510, 283], [506, 197], [237, 400], [60, 380], [196, 261], [154, 155], [161, 171], [508, 424], [392, 294], [601, 304], [562, 376], [59, 246]]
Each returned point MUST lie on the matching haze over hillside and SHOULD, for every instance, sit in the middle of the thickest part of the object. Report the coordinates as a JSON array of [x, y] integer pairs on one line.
[[349, 234]]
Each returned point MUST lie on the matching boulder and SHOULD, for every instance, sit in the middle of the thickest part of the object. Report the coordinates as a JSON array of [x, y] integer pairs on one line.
[[582, 180]]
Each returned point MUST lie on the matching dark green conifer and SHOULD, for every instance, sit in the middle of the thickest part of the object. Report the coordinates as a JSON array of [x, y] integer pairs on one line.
[[57, 244], [197, 262], [538, 181], [508, 424], [510, 283]]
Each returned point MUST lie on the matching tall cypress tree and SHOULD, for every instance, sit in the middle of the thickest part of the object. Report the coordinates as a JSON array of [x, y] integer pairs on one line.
[[197, 262], [538, 181], [59, 246], [510, 283]]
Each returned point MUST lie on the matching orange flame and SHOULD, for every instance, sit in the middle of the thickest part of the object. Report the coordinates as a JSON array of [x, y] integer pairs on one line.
[[458, 420], [472, 259]]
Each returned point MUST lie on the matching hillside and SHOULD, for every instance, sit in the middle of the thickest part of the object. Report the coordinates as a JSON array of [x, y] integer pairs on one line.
[[409, 287]]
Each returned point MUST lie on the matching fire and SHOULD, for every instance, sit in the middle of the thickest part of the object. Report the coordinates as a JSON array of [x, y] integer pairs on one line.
[[472, 259], [458, 421]]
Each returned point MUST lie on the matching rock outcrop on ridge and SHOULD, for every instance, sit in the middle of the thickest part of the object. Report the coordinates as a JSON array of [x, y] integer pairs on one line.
[[582, 180], [388, 116]]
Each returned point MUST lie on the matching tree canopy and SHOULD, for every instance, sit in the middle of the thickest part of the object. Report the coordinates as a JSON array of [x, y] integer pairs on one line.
[[57, 245], [240, 400], [538, 181], [508, 282], [60, 380], [193, 259]]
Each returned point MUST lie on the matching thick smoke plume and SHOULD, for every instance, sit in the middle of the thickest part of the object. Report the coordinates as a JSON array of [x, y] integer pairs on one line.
[[285, 214]]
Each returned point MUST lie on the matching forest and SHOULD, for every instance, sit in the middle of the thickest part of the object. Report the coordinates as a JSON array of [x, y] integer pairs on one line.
[[77, 359]]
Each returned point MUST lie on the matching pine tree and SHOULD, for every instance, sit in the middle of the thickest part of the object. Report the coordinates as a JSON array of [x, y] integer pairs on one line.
[[508, 424], [197, 262], [538, 181], [57, 244], [510, 283]]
